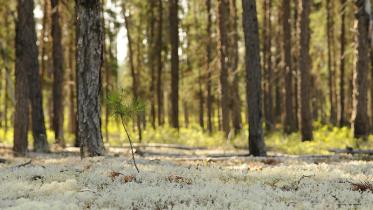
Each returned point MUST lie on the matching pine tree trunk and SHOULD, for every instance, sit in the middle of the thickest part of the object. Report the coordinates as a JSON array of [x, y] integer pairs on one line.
[[209, 70], [329, 28], [159, 64], [35, 94], [23, 61], [253, 78], [135, 82], [223, 25], [152, 56], [89, 63], [58, 74], [304, 87], [267, 67], [341, 111], [289, 124], [360, 119], [174, 39], [236, 101]]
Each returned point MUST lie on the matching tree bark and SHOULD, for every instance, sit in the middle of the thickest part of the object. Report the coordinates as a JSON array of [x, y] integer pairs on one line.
[[223, 25], [152, 55], [253, 78], [23, 62], [304, 86], [330, 34], [267, 67], [174, 39], [209, 70], [236, 101], [341, 111], [360, 119], [289, 124], [89, 62], [35, 94], [58, 74], [159, 64]]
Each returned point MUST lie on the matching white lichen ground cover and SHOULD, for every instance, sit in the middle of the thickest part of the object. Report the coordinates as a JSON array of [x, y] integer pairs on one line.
[[112, 183]]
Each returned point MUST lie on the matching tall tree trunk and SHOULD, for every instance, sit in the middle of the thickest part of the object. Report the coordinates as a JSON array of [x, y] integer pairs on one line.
[[360, 119], [28, 82], [236, 101], [89, 62], [159, 64], [223, 25], [58, 74], [289, 124], [135, 76], [152, 55], [329, 29], [35, 94], [267, 67], [209, 70], [253, 78], [304, 87], [295, 49], [341, 111], [25, 14], [174, 38]]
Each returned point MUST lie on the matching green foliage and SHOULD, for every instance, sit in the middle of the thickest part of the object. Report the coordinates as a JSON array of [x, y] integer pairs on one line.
[[119, 108]]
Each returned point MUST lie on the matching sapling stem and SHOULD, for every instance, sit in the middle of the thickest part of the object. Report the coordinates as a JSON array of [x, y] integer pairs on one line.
[[129, 139]]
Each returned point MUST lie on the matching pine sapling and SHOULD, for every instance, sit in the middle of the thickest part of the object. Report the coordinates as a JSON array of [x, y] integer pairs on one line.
[[124, 111]]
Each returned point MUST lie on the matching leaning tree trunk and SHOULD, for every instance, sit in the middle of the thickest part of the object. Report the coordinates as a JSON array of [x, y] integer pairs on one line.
[[360, 119], [89, 62], [223, 24], [58, 74], [289, 124], [304, 95], [174, 38], [253, 78]]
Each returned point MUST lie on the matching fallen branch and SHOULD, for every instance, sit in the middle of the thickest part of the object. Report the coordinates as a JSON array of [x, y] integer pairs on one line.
[[352, 151], [168, 146], [23, 164]]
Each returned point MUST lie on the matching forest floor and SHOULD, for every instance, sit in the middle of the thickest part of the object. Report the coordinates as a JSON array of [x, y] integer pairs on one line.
[[184, 179]]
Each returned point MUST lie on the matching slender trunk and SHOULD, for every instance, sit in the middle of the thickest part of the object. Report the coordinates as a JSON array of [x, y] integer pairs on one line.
[[58, 74], [89, 62], [159, 64], [152, 53], [223, 25], [253, 78], [295, 49], [209, 73], [132, 66], [289, 124], [35, 94], [236, 101], [329, 29], [267, 67], [304, 86], [360, 119], [174, 39], [341, 111]]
